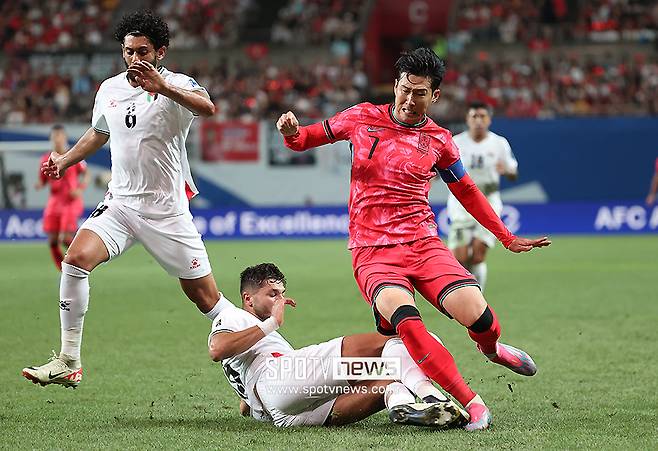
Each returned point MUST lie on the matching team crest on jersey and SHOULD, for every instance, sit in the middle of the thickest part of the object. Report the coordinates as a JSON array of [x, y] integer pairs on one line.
[[151, 96], [423, 143]]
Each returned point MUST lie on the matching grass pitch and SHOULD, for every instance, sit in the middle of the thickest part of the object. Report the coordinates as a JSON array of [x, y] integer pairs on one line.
[[585, 309]]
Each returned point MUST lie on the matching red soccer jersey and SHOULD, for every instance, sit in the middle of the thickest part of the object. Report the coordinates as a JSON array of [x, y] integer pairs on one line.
[[392, 165], [60, 189]]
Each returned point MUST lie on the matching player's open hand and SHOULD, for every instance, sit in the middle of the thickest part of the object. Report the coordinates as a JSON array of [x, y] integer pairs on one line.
[[288, 125], [54, 167], [146, 76], [525, 244], [279, 307]]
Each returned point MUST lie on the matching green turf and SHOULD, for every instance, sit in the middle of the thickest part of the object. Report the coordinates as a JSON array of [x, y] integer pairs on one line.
[[586, 309]]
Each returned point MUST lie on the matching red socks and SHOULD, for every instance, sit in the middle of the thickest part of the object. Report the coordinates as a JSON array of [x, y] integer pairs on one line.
[[486, 331], [433, 358], [56, 254]]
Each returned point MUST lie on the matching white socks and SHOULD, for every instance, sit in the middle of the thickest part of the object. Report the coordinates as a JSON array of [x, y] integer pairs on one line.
[[480, 273], [411, 375], [73, 303], [397, 394], [212, 314]]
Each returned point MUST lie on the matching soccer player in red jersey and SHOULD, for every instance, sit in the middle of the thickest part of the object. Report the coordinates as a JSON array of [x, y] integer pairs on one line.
[[65, 205], [653, 189], [396, 151]]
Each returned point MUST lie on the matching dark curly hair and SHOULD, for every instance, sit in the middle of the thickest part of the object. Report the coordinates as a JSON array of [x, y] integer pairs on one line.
[[476, 105], [143, 23], [254, 276], [422, 62]]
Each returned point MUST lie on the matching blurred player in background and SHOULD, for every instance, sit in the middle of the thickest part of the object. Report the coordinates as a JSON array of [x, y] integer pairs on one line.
[[486, 156], [396, 151], [147, 111], [65, 203], [266, 372], [653, 189]]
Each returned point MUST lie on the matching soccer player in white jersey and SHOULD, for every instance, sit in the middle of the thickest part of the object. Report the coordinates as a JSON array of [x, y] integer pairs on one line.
[[146, 111], [486, 156], [289, 387]]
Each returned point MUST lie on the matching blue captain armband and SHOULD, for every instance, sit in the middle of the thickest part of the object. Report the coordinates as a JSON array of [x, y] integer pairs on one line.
[[453, 173]]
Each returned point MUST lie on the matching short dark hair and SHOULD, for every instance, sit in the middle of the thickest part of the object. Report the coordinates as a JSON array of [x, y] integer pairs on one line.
[[143, 23], [422, 62], [476, 105], [57, 127], [253, 277]]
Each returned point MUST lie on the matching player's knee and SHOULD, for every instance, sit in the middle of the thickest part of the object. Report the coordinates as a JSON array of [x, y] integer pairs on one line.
[[77, 258]]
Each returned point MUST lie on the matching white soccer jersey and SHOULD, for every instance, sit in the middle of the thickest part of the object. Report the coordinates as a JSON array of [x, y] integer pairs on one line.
[[243, 369], [150, 171], [480, 158]]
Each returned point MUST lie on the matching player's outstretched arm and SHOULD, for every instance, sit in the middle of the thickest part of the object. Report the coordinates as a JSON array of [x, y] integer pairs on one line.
[[224, 345], [524, 244], [150, 80], [88, 143], [299, 138]]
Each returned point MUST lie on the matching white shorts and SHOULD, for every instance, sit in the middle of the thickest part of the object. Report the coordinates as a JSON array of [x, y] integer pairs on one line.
[[298, 389], [464, 228], [174, 241]]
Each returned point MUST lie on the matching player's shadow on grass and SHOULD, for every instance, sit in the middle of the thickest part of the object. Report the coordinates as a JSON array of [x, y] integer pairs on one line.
[[238, 424], [231, 424]]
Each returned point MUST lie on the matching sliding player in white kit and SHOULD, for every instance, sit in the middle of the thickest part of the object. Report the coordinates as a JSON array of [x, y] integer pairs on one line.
[[147, 112], [289, 387], [486, 156]]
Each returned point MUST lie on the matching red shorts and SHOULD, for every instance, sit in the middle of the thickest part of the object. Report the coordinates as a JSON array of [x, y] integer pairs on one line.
[[425, 265], [62, 217]]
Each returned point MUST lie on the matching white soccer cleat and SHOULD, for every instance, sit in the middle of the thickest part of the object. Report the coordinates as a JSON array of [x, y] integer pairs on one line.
[[436, 414], [60, 370]]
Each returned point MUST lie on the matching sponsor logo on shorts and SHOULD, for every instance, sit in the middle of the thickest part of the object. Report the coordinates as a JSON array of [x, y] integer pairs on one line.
[[195, 263]]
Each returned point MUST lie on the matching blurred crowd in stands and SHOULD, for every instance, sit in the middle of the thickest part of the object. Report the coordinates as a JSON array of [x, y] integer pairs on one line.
[[542, 23], [544, 87], [522, 84], [317, 21], [202, 23], [53, 25]]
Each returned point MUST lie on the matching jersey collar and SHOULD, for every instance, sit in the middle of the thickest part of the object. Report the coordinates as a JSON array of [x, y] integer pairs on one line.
[[419, 124]]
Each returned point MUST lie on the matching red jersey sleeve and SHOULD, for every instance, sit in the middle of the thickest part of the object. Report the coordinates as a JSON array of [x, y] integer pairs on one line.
[[337, 128], [461, 185], [341, 125], [656, 164]]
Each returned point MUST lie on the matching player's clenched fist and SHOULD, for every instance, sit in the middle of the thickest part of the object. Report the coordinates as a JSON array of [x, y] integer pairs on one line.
[[53, 167], [288, 124]]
